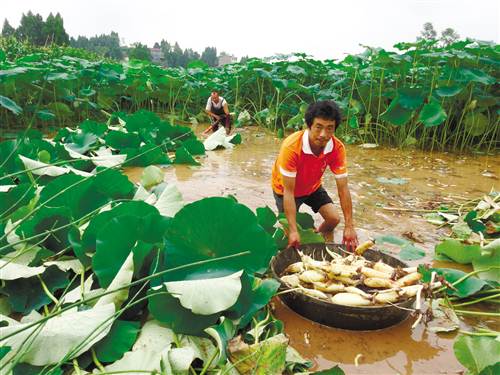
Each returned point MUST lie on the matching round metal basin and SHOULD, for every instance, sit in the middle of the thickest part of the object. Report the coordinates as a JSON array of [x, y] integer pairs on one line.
[[333, 315]]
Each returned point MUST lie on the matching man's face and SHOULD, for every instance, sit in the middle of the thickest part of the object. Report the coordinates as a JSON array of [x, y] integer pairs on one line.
[[321, 131], [215, 97]]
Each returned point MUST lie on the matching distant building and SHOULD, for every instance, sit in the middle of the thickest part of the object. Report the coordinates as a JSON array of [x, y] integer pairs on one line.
[[157, 55], [225, 58]]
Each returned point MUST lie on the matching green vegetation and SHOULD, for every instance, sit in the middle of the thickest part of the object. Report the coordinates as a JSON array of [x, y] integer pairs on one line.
[[112, 276], [474, 240], [424, 96]]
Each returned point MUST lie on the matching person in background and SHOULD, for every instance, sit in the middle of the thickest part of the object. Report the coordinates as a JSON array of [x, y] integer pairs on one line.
[[218, 112], [298, 170]]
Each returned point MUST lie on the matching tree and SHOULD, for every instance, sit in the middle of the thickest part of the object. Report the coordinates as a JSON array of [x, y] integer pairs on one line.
[[209, 56], [139, 51], [104, 45], [428, 33], [7, 29], [31, 29], [448, 36]]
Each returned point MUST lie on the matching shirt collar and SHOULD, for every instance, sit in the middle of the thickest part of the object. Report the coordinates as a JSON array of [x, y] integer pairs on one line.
[[306, 147]]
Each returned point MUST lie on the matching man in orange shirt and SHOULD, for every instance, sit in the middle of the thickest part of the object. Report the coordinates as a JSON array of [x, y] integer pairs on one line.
[[298, 170]]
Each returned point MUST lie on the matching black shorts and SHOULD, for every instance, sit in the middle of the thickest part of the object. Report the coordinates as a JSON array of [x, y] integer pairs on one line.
[[314, 200]]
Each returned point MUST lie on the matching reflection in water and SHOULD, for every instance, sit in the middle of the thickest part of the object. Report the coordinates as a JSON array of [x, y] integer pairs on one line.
[[244, 172]]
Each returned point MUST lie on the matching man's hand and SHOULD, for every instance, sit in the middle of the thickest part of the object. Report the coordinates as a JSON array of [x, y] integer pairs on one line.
[[293, 239], [350, 239], [217, 117]]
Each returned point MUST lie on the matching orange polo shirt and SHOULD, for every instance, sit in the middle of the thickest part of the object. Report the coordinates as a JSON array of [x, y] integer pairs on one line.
[[296, 159]]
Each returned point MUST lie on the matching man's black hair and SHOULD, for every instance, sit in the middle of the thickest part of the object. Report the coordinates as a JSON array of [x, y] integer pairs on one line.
[[324, 109]]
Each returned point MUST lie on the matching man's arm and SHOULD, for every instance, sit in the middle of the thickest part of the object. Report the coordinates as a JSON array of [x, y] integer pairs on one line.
[[226, 108], [350, 238], [290, 211], [210, 114]]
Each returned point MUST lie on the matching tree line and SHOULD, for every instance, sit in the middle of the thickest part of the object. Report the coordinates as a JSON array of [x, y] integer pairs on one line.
[[39, 32]]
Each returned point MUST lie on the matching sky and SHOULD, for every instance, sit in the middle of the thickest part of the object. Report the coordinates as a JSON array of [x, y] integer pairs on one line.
[[257, 28]]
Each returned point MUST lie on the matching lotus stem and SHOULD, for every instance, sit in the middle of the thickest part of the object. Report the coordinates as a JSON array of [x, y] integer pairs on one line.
[[477, 300]]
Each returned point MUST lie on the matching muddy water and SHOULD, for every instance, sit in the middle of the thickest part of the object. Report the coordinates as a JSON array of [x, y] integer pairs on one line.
[[379, 209]]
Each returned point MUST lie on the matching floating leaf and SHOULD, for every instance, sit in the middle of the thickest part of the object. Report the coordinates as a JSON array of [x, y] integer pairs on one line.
[[151, 176], [477, 353], [458, 252], [466, 288]]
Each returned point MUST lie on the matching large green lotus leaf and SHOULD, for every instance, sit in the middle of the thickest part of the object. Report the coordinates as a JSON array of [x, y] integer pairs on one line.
[[396, 114], [26, 295], [468, 287], [229, 228], [65, 336], [120, 283], [10, 105], [84, 195], [90, 126], [457, 251], [15, 198], [432, 114], [266, 218], [207, 296], [81, 142], [266, 357], [120, 140], [182, 156], [476, 75], [140, 120], [120, 339], [490, 258], [477, 353], [194, 146], [131, 208], [449, 91], [305, 220], [115, 241], [476, 123], [51, 225], [145, 155], [410, 98], [168, 310]]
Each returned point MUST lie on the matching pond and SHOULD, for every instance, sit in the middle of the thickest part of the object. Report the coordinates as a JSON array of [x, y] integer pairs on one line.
[[390, 188]]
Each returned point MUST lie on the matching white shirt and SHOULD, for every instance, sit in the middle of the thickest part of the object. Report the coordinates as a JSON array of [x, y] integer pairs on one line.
[[221, 103]]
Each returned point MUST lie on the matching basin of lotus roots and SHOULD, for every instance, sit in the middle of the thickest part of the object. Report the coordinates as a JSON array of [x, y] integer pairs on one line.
[[334, 315]]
